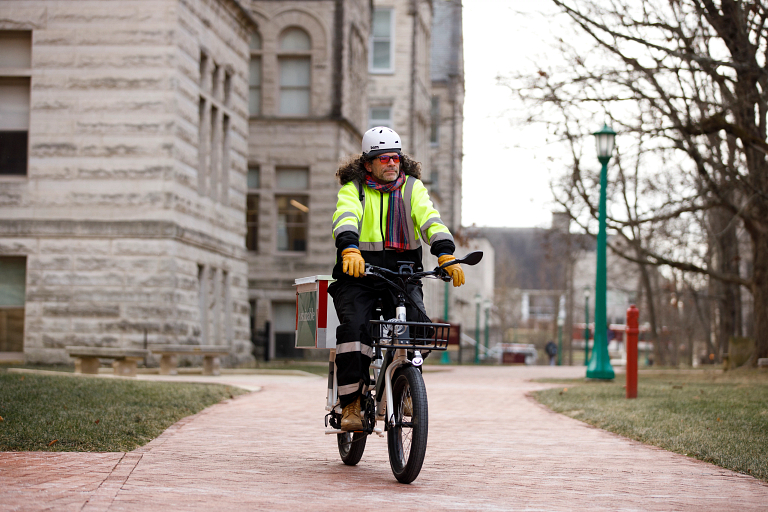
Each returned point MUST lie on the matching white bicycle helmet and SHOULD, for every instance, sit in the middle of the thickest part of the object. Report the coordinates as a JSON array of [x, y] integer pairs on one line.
[[379, 140]]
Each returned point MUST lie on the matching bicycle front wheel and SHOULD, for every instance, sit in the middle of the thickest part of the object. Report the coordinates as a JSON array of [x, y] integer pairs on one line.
[[407, 440]]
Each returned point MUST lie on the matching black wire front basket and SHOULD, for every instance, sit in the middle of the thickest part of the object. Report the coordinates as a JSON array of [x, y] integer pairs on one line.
[[409, 335]]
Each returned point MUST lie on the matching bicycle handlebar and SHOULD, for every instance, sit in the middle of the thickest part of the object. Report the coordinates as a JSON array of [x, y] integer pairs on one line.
[[472, 258]]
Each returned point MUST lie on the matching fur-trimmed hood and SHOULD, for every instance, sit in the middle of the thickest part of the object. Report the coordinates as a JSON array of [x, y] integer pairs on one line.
[[353, 169]]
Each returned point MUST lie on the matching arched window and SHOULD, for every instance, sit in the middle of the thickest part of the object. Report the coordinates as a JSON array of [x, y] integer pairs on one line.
[[254, 79], [294, 61]]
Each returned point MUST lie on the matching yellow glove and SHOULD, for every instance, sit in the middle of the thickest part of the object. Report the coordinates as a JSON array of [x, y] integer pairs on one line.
[[455, 271], [352, 262]]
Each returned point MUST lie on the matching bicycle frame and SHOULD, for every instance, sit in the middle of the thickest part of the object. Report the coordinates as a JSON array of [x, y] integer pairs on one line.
[[399, 358], [384, 406]]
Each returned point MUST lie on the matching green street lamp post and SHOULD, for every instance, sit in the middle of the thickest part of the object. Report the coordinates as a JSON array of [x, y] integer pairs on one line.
[[560, 323], [586, 325], [446, 357], [487, 306], [478, 300], [600, 364]]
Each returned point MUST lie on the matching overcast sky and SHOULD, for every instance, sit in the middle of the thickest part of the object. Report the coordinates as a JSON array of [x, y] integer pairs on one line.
[[505, 174]]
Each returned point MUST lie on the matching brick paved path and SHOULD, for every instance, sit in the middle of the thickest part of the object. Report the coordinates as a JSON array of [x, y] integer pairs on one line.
[[490, 448]]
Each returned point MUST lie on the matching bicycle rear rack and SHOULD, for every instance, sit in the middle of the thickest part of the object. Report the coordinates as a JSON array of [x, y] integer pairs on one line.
[[419, 335]]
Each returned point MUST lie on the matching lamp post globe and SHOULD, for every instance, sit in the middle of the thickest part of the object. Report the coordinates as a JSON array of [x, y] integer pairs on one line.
[[605, 140], [487, 306], [600, 363]]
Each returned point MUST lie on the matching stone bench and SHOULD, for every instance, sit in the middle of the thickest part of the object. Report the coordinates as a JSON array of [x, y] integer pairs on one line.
[[124, 359], [169, 357], [762, 363]]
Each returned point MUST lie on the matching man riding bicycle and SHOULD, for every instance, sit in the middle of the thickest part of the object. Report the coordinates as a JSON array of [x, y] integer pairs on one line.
[[383, 212]]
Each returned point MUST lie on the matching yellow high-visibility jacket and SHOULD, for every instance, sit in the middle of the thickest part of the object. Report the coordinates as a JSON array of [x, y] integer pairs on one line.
[[364, 223]]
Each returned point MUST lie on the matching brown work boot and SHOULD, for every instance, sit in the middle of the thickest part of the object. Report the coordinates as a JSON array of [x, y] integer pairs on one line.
[[351, 419], [408, 406]]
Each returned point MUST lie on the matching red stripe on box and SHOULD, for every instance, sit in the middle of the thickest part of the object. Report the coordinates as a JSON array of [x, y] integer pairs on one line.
[[297, 311], [322, 304]]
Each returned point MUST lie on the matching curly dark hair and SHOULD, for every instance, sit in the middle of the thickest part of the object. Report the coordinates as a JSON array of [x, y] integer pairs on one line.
[[353, 168]]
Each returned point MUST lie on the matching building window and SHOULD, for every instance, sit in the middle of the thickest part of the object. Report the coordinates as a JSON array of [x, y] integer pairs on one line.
[[434, 121], [284, 320], [380, 116], [13, 273], [225, 143], [202, 287], [213, 150], [292, 209], [15, 71], [228, 88], [382, 42], [294, 63], [202, 143], [216, 82], [204, 71], [254, 77], [214, 115], [252, 209]]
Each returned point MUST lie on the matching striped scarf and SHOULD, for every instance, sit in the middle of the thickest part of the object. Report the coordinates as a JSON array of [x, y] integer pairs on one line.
[[396, 235]]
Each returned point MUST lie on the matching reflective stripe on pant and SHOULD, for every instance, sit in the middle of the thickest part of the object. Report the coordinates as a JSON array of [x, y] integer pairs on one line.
[[355, 302]]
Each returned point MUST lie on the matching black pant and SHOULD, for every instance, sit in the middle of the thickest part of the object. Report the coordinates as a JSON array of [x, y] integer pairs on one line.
[[355, 302]]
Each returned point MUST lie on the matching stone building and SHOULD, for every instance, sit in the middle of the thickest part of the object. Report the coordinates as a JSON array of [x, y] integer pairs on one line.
[[447, 111], [123, 164], [308, 109], [399, 89], [167, 166], [365, 64]]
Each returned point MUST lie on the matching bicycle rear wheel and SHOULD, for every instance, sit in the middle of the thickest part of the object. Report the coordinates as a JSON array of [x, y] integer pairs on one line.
[[351, 446], [407, 440]]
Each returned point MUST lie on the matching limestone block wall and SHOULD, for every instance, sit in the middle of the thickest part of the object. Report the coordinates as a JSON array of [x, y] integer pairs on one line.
[[354, 62], [122, 291], [317, 146], [407, 88], [446, 155], [210, 104], [124, 238]]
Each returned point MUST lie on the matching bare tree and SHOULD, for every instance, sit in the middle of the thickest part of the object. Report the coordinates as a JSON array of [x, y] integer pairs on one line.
[[685, 83]]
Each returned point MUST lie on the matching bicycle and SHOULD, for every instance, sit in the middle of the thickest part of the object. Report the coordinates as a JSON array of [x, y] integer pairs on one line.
[[397, 395]]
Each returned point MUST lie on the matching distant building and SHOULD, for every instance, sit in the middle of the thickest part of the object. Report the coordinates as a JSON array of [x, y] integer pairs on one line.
[[543, 274]]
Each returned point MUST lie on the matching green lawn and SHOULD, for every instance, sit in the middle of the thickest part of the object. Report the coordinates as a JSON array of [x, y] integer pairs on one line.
[[719, 418], [90, 414]]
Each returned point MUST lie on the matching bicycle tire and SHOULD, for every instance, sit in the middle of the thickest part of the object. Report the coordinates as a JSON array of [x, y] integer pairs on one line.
[[408, 444], [351, 446]]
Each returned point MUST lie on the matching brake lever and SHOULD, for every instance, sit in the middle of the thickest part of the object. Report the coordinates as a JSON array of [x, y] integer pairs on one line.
[[442, 274]]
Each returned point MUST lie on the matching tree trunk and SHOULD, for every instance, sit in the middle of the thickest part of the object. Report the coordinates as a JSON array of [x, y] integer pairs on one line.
[[650, 303], [727, 262], [760, 294]]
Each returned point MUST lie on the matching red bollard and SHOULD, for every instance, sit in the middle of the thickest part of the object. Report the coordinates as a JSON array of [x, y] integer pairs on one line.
[[632, 331]]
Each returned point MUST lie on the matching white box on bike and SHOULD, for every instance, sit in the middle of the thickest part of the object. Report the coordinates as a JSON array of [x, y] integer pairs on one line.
[[316, 319]]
